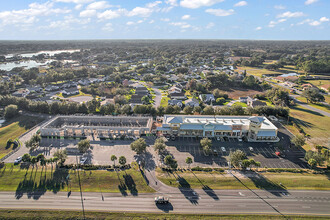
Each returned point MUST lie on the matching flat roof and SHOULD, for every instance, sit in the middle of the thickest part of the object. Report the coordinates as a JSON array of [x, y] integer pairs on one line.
[[218, 120]]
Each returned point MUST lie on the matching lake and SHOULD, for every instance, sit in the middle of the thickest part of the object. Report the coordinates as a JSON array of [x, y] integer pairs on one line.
[[49, 52], [27, 64]]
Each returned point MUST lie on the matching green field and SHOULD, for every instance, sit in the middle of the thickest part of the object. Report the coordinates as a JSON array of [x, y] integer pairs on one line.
[[42, 179], [320, 106], [240, 103], [313, 123], [256, 71], [51, 214], [268, 180], [13, 129]]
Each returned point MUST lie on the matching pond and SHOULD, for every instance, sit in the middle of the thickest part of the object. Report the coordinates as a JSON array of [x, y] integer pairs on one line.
[[289, 74]]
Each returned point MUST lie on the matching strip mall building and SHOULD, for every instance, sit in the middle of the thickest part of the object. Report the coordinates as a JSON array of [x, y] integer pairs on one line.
[[255, 128]]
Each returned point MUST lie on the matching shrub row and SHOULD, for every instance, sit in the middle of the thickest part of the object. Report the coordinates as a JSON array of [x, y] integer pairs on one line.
[[95, 167]]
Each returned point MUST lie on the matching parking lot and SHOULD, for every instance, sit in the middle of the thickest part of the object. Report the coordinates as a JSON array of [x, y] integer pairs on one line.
[[263, 152], [181, 148]]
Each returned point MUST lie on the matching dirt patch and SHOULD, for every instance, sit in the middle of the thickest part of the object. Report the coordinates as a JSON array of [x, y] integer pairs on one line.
[[236, 93]]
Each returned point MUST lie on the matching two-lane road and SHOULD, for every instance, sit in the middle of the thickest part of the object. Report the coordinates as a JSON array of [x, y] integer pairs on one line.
[[188, 201]]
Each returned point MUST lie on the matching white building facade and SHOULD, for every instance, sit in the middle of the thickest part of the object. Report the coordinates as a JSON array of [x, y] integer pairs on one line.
[[254, 129]]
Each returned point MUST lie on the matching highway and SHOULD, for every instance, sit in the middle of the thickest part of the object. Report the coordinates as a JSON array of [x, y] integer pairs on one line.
[[187, 201]]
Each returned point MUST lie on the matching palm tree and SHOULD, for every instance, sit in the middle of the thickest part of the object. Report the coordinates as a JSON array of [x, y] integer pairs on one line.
[[189, 161], [113, 158], [122, 160]]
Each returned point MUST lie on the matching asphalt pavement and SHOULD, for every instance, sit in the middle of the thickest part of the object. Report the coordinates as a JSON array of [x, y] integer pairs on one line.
[[199, 201]]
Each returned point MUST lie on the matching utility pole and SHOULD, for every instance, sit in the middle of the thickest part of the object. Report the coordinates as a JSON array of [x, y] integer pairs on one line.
[[81, 196]]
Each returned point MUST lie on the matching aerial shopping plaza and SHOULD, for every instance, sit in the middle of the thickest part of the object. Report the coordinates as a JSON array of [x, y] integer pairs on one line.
[[254, 129], [101, 126]]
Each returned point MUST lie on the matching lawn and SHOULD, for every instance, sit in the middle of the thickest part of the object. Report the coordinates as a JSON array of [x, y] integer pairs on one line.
[[315, 105], [260, 71], [41, 180], [318, 83], [13, 129], [164, 101], [240, 103], [53, 214], [268, 180], [313, 123]]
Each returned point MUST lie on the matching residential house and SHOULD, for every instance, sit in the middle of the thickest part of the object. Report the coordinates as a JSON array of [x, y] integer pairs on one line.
[[70, 91], [307, 86], [207, 98], [255, 103], [326, 87], [50, 88], [175, 102], [192, 102], [84, 82], [35, 89], [180, 95], [21, 93]]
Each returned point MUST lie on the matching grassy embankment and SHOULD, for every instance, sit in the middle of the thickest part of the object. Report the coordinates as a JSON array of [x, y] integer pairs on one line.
[[320, 106], [51, 214], [313, 123], [267, 180], [41, 179], [13, 129]]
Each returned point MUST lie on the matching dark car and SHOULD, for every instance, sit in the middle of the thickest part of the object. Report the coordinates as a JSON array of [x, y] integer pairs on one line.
[[161, 200]]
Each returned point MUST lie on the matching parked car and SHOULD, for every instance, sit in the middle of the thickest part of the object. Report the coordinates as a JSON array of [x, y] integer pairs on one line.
[[223, 149], [240, 139], [161, 200], [83, 160], [215, 152], [251, 148], [218, 138], [18, 160]]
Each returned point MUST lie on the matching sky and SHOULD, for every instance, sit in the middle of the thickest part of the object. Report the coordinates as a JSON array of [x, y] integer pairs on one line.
[[164, 19]]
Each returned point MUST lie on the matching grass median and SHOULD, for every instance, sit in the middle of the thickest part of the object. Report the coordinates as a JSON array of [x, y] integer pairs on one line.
[[13, 129], [41, 179], [251, 180], [51, 214]]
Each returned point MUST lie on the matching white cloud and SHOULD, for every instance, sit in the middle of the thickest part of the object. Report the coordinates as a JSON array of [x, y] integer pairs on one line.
[[241, 3], [165, 19], [309, 2], [182, 25], [290, 14], [98, 5], [67, 23], [78, 6], [75, 1], [315, 23], [198, 3], [185, 17], [87, 13], [111, 14], [220, 12], [108, 27], [280, 7], [139, 11], [324, 19], [31, 14], [152, 21], [130, 23], [172, 2], [258, 28], [273, 23], [210, 25]]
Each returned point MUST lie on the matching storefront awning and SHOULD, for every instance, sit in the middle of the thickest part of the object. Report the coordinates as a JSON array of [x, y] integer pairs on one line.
[[266, 134]]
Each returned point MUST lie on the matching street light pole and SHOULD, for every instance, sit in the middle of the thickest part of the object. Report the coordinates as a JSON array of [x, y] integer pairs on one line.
[[81, 196]]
